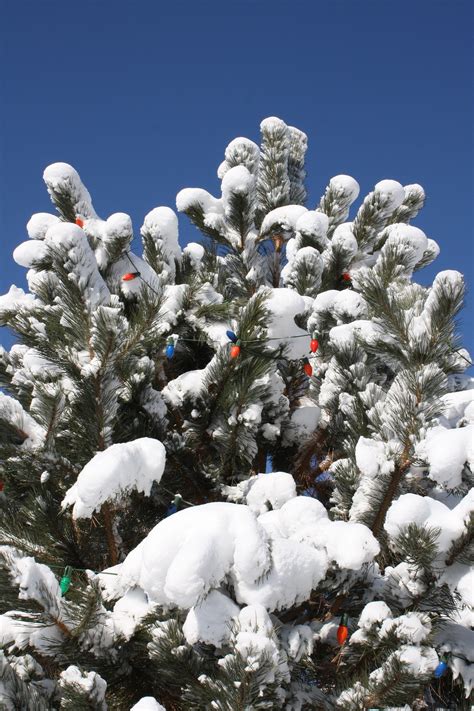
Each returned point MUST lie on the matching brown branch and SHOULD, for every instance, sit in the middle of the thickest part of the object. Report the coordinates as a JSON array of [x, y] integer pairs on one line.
[[109, 532], [379, 520]]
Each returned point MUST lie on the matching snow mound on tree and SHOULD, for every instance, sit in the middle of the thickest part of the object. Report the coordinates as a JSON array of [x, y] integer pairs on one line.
[[282, 219], [346, 187], [39, 224], [270, 491], [12, 412], [114, 473], [275, 560], [148, 703], [162, 226], [27, 253], [193, 551], [447, 451], [432, 514], [210, 621], [63, 178], [89, 682], [283, 305], [69, 243]]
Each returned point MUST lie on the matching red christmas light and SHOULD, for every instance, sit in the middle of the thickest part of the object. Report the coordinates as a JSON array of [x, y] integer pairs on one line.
[[79, 222], [130, 276], [308, 369], [346, 276], [235, 351], [342, 630], [314, 345]]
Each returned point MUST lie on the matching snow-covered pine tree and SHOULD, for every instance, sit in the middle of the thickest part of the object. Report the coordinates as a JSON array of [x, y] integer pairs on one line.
[[236, 475]]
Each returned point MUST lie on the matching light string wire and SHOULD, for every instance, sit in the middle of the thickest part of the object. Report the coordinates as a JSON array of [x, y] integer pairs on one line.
[[255, 340]]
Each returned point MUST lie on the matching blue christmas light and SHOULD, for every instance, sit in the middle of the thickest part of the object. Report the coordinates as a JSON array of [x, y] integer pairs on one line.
[[231, 336], [441, 669], [174, 506], [170, 350]]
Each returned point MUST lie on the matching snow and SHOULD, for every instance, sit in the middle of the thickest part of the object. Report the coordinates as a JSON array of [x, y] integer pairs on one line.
[[210, 621], [391, 193], [35, 581], [408, 234], [272, 124], [465, 670], [39, 224], [162, 225], [131, 262], [308, 258], [370, 456], [62, 177], [343, 240], [303, 422], [412, 627], [186, 555], [237, 181], [447, 451], [374, 612], [270, 491], [255, 640], [240, 151], [114, 473], [346, 187], [16, 299], [424, 511], [283, 305], [342, 306], [457, 405], [346, 334], [147, 703], [282, 219], [89, 682], [195, 252], [25, 633], [350, 545], [314, 224], [12, 411], [189, 198], [460, 577], [27, 253], [421, 661], [187, 385], [459, 641], [71, 244], [298, 641], [191, 553], [128, 612]]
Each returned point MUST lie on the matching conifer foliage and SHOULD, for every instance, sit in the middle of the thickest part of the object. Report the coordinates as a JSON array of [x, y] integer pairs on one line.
[[236, 475]]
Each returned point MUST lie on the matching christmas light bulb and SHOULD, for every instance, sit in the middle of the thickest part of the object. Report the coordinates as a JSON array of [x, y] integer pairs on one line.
[[314, 345], [65, 582], [278, 242], [342, 630], [170, 348], [235, 350], [441, 669]]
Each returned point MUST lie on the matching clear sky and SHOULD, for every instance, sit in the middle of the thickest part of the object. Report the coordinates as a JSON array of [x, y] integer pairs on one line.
[[143, 96]]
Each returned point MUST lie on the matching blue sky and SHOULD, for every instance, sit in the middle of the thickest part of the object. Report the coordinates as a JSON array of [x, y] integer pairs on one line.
[[142, 98]]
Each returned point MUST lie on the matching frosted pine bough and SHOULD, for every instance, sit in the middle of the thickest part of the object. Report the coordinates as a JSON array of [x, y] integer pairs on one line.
[[234, 600]]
